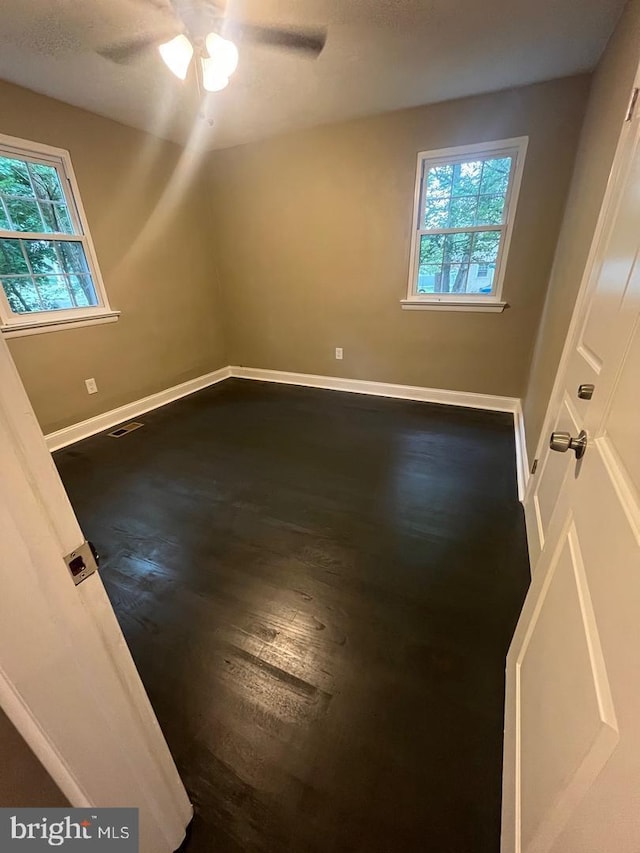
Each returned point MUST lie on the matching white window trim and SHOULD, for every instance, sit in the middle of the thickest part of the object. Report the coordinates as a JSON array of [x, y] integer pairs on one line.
[[18, 325], [466, 301]]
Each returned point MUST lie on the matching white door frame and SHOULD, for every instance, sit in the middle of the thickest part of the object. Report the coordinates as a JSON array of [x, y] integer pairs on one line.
[[619, 169], [67, 680]]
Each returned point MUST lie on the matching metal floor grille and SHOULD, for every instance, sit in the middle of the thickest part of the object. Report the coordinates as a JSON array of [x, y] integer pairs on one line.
[[123, 430]]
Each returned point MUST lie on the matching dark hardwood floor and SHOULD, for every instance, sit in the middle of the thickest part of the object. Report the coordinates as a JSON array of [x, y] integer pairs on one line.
[[319, 590]]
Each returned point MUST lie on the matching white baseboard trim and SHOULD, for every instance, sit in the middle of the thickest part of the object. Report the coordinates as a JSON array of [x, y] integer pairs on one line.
[[467, 399], [76, 432], [522, 459], [84, 429], [381, 389]]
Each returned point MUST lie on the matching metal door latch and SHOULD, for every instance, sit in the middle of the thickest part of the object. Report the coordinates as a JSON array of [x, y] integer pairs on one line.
[[82, 562], [585, 391]]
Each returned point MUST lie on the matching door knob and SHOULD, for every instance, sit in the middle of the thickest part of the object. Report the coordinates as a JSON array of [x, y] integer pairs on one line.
[[562, 441]]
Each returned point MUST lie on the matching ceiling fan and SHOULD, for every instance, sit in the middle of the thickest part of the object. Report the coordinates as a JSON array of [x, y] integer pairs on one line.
[[203, 30]]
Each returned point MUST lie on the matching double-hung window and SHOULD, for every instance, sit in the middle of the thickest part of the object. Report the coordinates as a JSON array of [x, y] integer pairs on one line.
[[465, 205], [49, 273]]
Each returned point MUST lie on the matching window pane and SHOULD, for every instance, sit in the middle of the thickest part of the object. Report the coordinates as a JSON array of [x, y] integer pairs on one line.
[[21, 294], [13, 297], [4, 218], [431, 249], [462, 212], [460, 195], [14, 177], [466, 178], [48, 217], [29, 294], [495, 176], [490, 210], [83, 290], [428, 277], [485, 247], [43, 256], [56, 218], [56, 256], [12, 261], [46, 182], [454, 277], [33, 197], [63, 220], [72, 256], [452, 195], [54, 293], [439, 181], [61, 275], [25, 215], [457, 248], [436, 214], [480, 279], [447, 262]]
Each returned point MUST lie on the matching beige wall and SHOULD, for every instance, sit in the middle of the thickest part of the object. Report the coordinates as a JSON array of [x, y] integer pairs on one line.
[[313, 232], [23, 780], [149, 226], [609, 98], [309, 236]]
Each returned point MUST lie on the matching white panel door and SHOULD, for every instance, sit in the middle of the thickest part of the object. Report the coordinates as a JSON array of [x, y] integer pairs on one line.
[[572, 727], [67, 680]]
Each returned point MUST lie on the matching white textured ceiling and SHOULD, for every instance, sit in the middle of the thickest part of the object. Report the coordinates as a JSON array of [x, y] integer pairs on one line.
[[380, 55]]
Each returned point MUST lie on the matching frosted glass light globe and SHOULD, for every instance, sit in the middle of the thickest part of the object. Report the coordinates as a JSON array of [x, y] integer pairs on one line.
[[223, 53]]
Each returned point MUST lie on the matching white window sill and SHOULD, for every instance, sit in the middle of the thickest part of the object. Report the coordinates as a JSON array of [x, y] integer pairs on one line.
[[34, 327], [483, 305]]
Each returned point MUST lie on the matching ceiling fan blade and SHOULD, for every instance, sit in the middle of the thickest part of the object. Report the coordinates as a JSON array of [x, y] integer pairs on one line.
[[306, 41], [128, 51]]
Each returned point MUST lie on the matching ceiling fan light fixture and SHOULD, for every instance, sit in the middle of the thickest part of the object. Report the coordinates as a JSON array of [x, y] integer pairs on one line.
[[212, 79], [223, 53], [177, 55]]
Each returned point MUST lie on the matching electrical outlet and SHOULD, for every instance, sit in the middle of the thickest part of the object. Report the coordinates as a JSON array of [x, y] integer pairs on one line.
[[339, 353], [92, 388]]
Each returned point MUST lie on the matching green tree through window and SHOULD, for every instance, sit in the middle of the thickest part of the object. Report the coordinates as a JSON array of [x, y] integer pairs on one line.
[[40, 273], [462, 196], [464, 214]]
